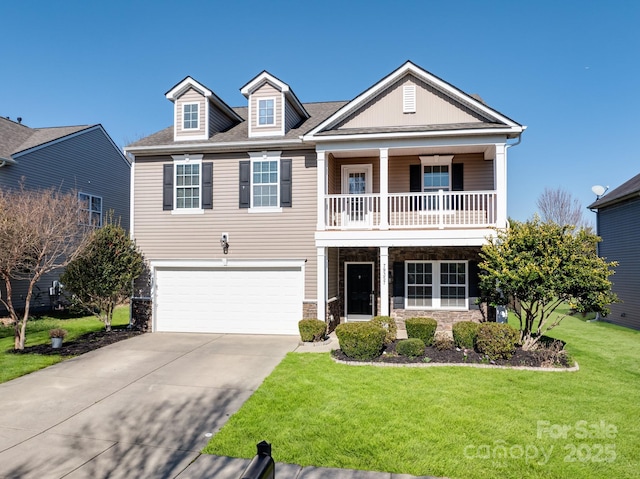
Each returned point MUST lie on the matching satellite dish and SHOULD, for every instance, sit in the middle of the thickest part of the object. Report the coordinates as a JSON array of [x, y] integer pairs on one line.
[[599, 190]]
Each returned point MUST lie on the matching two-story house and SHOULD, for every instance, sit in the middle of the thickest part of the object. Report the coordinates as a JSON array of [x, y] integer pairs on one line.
[[81, 158], [255, 217]]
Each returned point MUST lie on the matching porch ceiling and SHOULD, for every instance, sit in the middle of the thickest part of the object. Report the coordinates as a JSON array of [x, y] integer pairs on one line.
[[488, 151]]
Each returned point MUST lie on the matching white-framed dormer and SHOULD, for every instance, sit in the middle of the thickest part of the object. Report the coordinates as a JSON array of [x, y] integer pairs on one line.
[[268, 95], [198, 111]]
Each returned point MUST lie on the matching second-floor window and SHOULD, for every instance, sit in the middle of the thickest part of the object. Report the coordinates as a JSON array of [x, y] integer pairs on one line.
[[90, 209], [266, 112], [265, 183], [190, 116], [187, 185], [435, 178]]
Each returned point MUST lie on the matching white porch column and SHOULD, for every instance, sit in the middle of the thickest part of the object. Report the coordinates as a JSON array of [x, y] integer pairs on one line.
[[321, 172], [384, 188], [322, 283], [384, 281], [500, 179]]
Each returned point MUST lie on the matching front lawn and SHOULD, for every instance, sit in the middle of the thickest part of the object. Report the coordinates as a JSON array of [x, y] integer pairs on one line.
[[15, 365], [453, 421]]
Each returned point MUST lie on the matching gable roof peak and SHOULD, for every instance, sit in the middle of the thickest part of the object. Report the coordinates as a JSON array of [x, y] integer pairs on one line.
[[266, 77]]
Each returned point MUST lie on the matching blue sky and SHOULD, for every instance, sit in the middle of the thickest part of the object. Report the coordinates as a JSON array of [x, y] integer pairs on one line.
[[568, 70]]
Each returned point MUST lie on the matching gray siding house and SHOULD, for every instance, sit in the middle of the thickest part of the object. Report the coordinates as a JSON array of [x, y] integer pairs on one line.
[[81, 158], [618, 223]]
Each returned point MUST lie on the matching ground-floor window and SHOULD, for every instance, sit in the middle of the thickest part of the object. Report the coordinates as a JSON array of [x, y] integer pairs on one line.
[[436, 284]]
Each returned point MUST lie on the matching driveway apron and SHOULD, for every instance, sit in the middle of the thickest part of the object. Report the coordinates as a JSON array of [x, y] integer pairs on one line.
[[143, 407]]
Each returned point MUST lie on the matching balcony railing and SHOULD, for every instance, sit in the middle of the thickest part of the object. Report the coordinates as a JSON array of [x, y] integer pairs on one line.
[[441, 209]]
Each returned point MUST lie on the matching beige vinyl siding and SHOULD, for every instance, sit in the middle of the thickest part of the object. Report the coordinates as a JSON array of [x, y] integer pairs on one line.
[[432, 108], [266, 91], [478, 172], [218, 121], [291, 117], [288, 234], [190, 96]]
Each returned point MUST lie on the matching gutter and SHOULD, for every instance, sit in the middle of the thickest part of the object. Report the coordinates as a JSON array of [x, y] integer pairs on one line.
[[7, 161], [209, 147]]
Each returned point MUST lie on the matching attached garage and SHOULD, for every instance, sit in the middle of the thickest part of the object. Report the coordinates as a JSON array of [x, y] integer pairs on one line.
[[237, 297]]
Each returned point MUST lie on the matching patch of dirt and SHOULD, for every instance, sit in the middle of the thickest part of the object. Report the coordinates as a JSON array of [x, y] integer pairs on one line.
[[83, 344], [549, 355]]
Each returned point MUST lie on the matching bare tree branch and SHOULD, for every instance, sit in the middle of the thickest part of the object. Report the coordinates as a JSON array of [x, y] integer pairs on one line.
[[560, 207]]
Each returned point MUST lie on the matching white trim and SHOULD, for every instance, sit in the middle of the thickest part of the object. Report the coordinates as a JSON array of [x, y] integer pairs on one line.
[[275, 115], [259, 157], [398, 238], [227, 263], [409, 97], [513, 132], [366, 168], [264, 209], [186, 160], [132, 195], [373, 289], [191, 103], [89, 210], [210, 147], [177, 91], [266, 77], [436, 285]]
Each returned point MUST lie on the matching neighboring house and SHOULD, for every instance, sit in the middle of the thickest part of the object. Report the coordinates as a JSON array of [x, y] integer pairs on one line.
[[618, 224], [335, 210], [81, 158]]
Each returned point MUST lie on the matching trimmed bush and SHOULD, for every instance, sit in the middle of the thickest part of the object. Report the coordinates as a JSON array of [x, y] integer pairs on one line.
[[389, 325], [465, 334], [443, 343], [312, 330], [497, 340], [412, 347], [361, 341], [422, 328]]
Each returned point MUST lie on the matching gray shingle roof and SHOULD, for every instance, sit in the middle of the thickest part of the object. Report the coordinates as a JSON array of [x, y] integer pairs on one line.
[[15, 137], [626, 190]]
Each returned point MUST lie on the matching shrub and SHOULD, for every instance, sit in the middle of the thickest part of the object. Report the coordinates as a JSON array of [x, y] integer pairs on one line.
[[497, 340], [389, 325], [57, 333], [362, 341], [422, 328], [442, 343], [412, 347], [312, 330], [465, 334]]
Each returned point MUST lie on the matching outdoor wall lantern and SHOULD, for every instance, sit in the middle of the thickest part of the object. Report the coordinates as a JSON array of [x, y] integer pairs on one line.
[[224, 242]]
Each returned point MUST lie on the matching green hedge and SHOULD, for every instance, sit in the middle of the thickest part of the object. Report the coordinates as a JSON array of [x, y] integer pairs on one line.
[[362, 341], [465, 334], [412, 347], [389, 325], [422, 328], [312, 330], [497, 340]]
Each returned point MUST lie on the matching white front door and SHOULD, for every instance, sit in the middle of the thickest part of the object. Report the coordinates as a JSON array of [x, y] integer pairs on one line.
[[356, 181]]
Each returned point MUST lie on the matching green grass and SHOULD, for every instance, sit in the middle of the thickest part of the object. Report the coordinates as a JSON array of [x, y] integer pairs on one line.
[[444, 421], [16, 365]]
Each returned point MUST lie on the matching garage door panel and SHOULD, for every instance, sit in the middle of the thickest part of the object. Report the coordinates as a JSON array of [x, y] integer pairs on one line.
[[226, 300]]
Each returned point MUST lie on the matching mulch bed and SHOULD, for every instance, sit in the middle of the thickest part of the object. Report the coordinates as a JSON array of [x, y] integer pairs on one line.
[[83, 344], [544, 357]]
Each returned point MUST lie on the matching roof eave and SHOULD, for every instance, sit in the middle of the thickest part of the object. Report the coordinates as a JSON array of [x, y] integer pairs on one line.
[[215, 147], [509, 132]]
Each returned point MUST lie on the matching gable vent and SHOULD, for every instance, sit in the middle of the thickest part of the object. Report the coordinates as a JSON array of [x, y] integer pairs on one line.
[[409, 99]]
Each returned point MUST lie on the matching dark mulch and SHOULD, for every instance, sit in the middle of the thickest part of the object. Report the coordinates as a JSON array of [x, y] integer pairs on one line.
[[85, 343], [550, 355]]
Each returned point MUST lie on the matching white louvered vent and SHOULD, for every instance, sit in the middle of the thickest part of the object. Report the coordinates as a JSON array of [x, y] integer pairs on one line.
[[409, 99]]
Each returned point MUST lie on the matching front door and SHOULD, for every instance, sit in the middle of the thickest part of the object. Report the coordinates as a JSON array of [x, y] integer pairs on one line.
[[359, 291]]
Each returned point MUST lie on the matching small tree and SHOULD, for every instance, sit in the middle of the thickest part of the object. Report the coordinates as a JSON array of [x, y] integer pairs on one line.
[[40, 231], [101, 276], [538, 266], [560, 207]]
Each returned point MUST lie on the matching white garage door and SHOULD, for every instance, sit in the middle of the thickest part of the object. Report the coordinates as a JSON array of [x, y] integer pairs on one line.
[[229, 300]]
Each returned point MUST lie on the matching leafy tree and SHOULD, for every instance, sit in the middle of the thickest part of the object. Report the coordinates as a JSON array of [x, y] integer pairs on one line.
[[559, 206], [40, 231], [101, 276], [534, 267]]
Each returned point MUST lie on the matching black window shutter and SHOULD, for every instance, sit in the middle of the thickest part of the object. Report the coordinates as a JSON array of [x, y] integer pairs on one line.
[[207, 186], [245, 186], [167, 187], [415, 179], [457, 176], [473, 279], [285, 183], [398, 285]]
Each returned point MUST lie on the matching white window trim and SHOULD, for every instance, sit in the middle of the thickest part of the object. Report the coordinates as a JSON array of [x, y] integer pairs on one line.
[[435, 285], [191, 103], [258, 157], [367, 169], [435, 160], [185, 160], [89, 209], [275, 103]]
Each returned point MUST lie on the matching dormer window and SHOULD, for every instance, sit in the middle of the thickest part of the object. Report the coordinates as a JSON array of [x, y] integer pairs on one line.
[[190, 116], [266, 112]]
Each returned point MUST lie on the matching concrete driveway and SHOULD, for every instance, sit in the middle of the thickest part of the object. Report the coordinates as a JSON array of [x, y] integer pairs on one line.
[[143, 407]]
